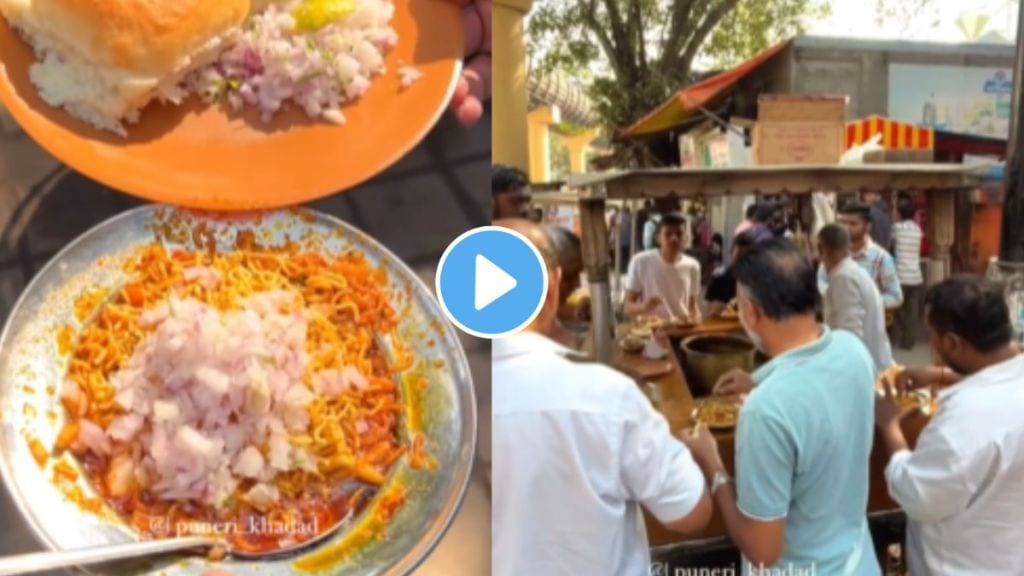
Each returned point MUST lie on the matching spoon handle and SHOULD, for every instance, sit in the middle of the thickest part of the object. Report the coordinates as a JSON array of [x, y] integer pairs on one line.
[[40, 561]]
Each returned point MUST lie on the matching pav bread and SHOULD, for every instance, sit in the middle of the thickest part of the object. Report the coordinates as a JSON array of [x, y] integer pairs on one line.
[[103, 60]]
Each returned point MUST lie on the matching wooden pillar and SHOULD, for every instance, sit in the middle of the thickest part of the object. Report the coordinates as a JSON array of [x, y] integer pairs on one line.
[[509, 140], [617, 252], [942, 232], [633, 230], [594, 236]]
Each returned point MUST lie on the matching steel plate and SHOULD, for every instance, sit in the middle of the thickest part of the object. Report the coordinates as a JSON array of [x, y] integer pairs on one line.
[[32, 367]]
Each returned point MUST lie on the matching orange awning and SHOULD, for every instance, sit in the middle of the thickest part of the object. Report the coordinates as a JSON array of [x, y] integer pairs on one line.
[[685, 103], [895, 135]]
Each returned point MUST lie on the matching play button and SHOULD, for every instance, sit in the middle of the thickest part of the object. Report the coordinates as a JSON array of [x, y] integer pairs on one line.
[[491, 282]]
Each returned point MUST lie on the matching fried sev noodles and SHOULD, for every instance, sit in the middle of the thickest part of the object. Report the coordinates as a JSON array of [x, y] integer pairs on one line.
[[353, 436]]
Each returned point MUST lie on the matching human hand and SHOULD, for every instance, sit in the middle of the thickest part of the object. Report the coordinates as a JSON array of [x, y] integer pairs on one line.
[[911, 379], [662, 339], [703, 447], [888, 411], [734, 381], [651, 304], [474, 87]]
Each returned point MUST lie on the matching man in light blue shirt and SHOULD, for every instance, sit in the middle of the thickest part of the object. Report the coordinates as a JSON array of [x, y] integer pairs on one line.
[[805, 431], [874, 259]]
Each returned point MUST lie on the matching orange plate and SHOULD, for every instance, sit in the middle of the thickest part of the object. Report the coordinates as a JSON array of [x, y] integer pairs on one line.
[[203, 156]]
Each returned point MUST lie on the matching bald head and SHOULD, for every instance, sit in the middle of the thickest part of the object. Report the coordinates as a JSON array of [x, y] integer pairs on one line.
[[833, 245], [536, 234], [539, 237]]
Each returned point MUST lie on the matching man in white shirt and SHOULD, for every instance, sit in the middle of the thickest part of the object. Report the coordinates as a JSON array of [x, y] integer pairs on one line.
[[852, 301], [664, 281], [577, 450], [906, 242], [874, 259], [962, 486]]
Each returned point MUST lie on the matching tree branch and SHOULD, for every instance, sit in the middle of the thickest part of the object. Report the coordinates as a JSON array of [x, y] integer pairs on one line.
[[673, 43], [684, 60], [636, 22], [621, 32], [590, 19]]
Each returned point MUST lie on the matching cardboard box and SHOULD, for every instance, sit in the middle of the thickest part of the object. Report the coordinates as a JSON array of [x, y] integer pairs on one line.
[[795, 129], [801, 108], [902, 156]]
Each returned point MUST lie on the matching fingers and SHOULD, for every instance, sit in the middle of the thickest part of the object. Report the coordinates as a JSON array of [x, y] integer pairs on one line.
[[724, 388], [483, 7], [889, 390], [693, 433], [469, 112], [907, 382], [473, 89], [461, 92], [887, 386], [478, 74], [728, 383], [473, 26]]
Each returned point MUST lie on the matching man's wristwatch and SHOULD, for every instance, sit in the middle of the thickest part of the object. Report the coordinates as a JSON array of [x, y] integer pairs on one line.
[[721, 478]]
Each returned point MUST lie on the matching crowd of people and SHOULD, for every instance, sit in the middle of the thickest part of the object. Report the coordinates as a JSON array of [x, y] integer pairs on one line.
[[579, 450], [665, 281]]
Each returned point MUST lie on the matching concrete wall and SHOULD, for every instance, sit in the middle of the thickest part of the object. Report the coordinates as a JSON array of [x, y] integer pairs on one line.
[[860, 68]]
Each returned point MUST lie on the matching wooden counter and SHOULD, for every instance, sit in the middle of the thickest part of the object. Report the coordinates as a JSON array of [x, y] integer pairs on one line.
[[676, 403], [708, 326]]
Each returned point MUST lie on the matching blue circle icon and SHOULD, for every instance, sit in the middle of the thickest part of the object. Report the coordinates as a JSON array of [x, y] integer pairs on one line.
[[491, 282]]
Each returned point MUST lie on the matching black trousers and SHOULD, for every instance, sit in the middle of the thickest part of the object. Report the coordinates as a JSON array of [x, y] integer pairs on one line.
[[907, 323]]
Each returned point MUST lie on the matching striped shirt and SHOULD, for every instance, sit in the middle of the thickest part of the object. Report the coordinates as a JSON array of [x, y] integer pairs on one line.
[[906, 240]]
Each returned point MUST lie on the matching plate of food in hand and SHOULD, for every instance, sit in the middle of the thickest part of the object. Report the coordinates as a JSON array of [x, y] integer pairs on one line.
[[278, 381], [731, 311], [918, 399], [233, 104], [718, 412]]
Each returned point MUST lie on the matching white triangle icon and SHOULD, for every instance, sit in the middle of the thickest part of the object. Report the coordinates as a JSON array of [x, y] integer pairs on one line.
[[491, 283]]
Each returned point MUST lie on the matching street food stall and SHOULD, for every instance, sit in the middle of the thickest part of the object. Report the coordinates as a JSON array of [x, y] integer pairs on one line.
[[667, 382], [553, 202]]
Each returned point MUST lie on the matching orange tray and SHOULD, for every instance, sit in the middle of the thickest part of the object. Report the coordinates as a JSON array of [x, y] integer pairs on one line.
[[203, 156]]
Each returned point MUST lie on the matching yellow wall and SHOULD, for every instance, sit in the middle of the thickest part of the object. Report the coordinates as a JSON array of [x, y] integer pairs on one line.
[[509, 139], [578, 146]]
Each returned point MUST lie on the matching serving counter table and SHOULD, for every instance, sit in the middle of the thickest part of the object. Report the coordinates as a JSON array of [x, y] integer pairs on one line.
[[674, 400]]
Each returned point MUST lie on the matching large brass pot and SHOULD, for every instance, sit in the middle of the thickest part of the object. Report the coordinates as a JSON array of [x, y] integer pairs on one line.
[[709, 356]]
